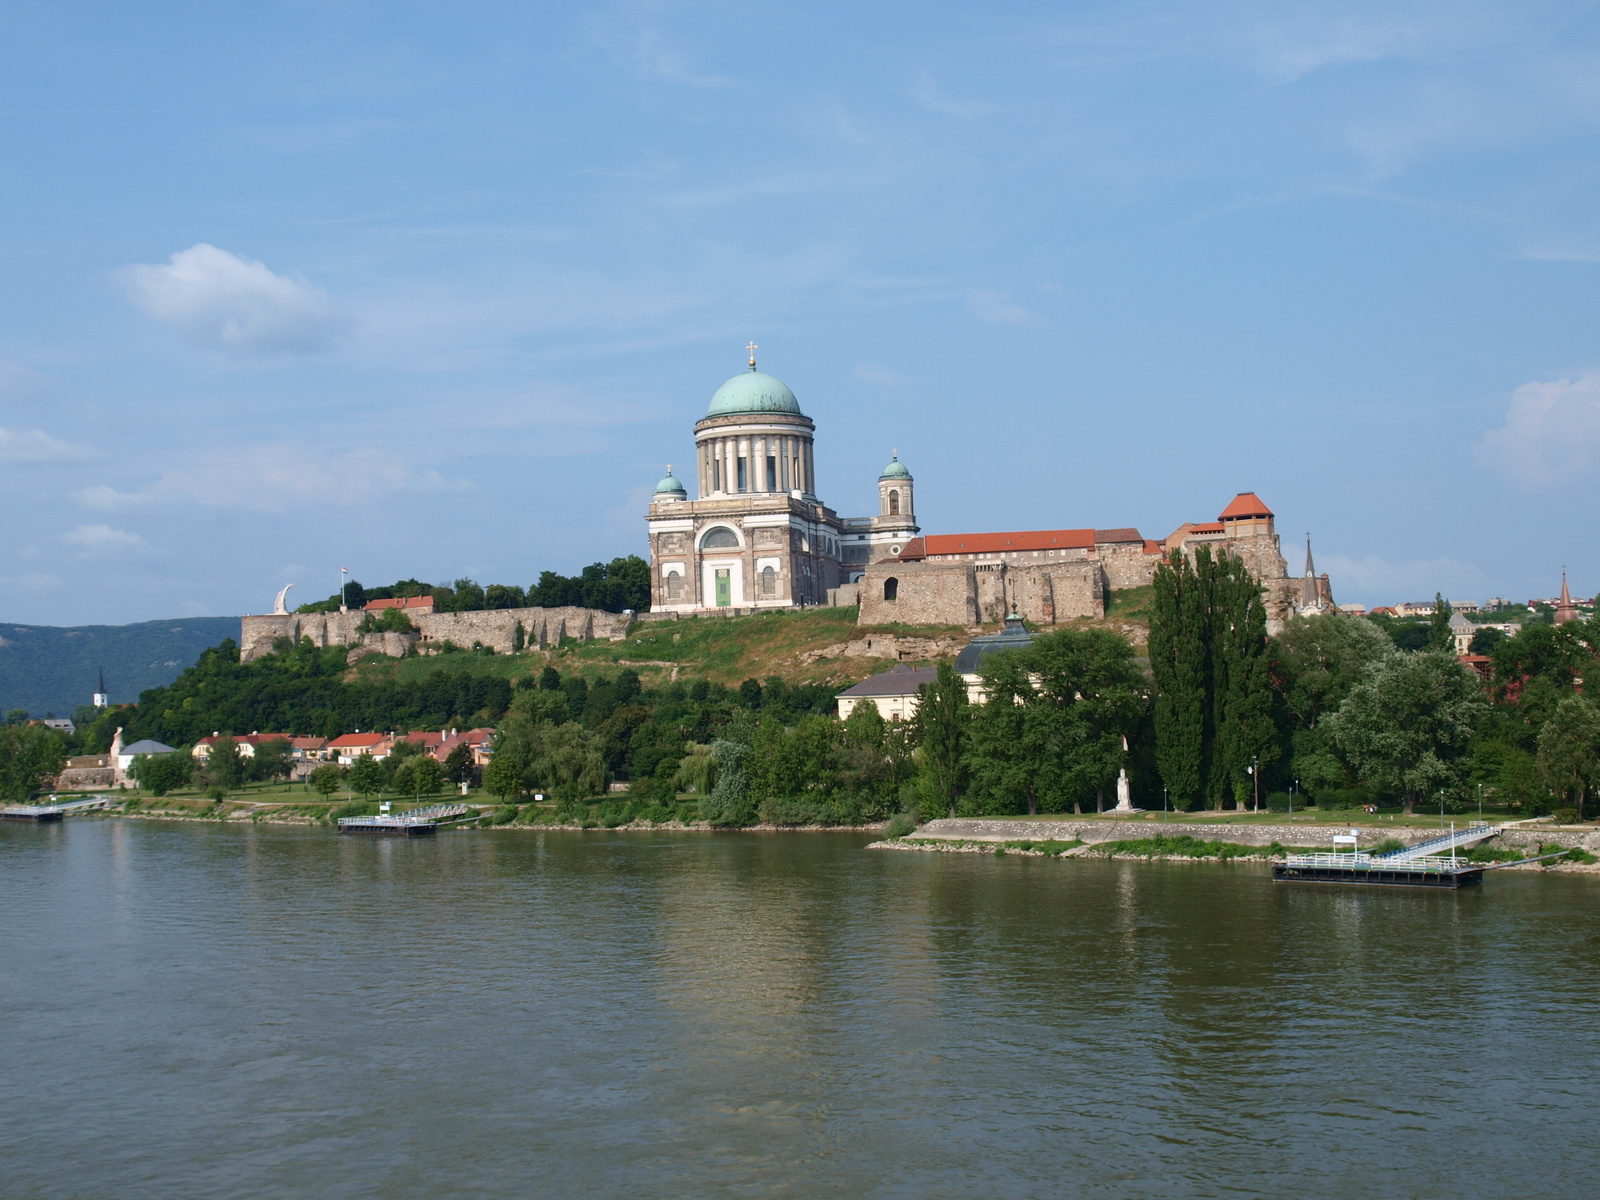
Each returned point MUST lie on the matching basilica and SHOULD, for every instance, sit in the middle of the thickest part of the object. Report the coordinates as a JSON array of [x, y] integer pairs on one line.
[[757, 535]]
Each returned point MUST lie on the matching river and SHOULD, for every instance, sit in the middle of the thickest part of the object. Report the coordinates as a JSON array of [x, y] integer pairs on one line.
[[254, 1011]]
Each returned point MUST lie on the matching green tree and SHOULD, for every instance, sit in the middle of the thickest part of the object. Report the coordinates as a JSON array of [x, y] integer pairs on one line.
[[1246, 736], [503, 777], [729, 802], [29, 755], [1485, 640], [366, 775], [419, 775], [17, 716], [327, 778], [225, 766], [1180, 663], [1556, 653], [1407, 727], [943, 724], [1569, 750], [163, 773], [1318, 660], [272, 759], [458, 767], [1439, 624]]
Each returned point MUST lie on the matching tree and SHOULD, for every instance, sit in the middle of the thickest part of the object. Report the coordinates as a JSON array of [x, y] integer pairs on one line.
[[327, 778], [29, 755], [503, 777], [366, 775], [1407, 727], [1208, 655], [942, 730], [729, 802], [163, 773], [17, 716], [420, 775], [225, 766], [1569, 749], [458, 766], [1439, 636], [1485, 640], [1553, 652], [1318, 660], [272, 759]]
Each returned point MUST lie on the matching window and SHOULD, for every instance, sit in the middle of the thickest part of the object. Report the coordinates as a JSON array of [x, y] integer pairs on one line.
[[891, 588], [894, 503], [674, 586], [743, 487], [720, 538], [716, 475], [772, 472], [769, 582]]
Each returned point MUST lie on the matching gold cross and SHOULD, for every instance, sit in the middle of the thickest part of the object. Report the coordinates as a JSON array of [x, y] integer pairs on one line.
[[752, 347]]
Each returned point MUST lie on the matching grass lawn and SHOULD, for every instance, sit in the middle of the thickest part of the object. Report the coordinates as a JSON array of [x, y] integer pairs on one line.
[[1389, 818]]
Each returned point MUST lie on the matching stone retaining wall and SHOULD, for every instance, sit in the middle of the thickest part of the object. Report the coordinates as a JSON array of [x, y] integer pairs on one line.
[[984, 829], [495, 628]]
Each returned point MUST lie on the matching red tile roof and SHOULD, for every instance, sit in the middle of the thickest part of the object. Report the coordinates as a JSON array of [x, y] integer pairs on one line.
[[356, 740], [1245, 504], [399, 602], [1006, 543]]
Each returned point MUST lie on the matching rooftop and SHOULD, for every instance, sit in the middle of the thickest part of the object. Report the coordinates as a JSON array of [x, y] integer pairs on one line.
[[900, 680]]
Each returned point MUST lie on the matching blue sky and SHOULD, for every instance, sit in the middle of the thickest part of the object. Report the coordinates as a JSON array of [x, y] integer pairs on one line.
[[439, 289]]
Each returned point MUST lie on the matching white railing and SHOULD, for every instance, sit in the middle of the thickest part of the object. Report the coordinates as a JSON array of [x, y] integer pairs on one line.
[[1366, 862]]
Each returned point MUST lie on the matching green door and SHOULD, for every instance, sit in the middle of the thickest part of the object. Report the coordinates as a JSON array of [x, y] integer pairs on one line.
[[724, 587]]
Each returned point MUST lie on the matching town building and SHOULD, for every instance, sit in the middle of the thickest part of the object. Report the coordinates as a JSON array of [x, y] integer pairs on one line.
[[896, 692], [348, 747], [246, 743], [757, 536]]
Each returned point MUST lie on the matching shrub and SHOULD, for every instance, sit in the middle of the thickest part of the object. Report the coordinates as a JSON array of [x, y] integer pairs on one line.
[[689, 812], [355, 808], [1388, 846], [899, 825], [795, 810], [503, 815], [1278, 802], [1565, 816]]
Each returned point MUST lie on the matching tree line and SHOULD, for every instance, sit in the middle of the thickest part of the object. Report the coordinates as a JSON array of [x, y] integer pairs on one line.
[[616, 586]]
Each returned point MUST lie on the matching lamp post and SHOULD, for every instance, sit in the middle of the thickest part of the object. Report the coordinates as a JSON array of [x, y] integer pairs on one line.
[[1480, 804], [1255, 778], [1163, 802]]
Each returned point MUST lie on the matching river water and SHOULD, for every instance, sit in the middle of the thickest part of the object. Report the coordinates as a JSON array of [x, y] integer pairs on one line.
[[222, 1011]]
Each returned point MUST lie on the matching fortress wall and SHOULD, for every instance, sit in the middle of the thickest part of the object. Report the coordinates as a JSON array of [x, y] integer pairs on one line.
[[929, 594], [1129, 568], [490, 627]]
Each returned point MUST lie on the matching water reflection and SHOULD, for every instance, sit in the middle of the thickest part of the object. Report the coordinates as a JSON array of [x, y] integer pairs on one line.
[[268, 1011]]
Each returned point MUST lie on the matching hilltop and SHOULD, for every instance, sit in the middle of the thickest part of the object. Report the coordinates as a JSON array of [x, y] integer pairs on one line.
[[53, 669]]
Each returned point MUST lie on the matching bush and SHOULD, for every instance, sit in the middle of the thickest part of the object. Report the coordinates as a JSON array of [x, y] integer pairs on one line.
[[503, 815], [899, 825], [689, 812], [1388, 846], [355, 808], [1278, 802], [1565, 816], [796, 810]]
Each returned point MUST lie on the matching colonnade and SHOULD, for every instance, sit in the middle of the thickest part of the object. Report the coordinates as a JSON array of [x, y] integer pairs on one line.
[[771, 463]]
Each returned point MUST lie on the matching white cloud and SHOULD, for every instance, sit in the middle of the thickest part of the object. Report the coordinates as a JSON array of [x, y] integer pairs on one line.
[[274, 478], [103, 537], [36, 446], [108, 499], [213, 299], [997, 306], [872, 373], [1552, 430], [1378, 580]]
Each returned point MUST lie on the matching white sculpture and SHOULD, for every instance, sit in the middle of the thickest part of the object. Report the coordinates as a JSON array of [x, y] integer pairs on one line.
[[278, 609], [1124, 795]]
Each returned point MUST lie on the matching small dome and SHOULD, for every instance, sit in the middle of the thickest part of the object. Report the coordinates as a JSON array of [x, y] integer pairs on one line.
[[670, 486], [753, 392], [895, 470]]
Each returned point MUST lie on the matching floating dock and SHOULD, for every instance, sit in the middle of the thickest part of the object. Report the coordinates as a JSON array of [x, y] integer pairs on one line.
[[42, 813], [1434, 871], [416, 823]]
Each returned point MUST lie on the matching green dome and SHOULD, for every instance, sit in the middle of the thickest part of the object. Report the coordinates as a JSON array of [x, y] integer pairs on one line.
[[753, 392], [670, 485], [895, 470]]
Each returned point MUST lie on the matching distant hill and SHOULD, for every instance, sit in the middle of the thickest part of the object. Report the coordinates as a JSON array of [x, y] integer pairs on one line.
[[46, 668]]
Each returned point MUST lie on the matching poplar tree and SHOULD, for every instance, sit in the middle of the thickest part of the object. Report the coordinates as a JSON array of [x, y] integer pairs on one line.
[[1179, 662], [942, 721], [1439, 624]]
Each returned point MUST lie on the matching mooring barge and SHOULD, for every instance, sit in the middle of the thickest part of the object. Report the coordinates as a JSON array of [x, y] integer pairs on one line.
[[415, 823]]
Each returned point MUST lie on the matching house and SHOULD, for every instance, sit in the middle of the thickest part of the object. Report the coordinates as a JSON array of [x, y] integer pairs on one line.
[[1014, 636], [126, 754], [59, 724], [348, 747], [246, 743], [1414, 608], [1463, 631], [413, 606], [1353, 610], [308, 749], [428, 741], [895, 692]]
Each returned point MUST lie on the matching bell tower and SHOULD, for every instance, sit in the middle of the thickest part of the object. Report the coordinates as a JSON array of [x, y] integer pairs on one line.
[[894, 496]]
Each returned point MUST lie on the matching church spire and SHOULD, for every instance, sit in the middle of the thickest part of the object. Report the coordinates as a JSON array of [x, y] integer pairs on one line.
[[1310, 593], [1566, 610]]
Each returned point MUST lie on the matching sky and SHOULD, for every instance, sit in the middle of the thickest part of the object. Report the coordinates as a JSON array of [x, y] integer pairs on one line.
[[438, 290]]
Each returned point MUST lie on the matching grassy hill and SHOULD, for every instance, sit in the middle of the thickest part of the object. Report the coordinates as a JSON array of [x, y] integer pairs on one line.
[[47, 668]]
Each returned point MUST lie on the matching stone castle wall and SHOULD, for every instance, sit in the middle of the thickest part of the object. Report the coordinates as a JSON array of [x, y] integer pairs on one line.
[[975, 593], [495, 628]]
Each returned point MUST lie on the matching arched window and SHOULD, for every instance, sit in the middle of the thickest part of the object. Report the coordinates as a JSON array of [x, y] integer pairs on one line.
[[894, 503], [769, 582], [720, 538], [674, 586], [891, 588]]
